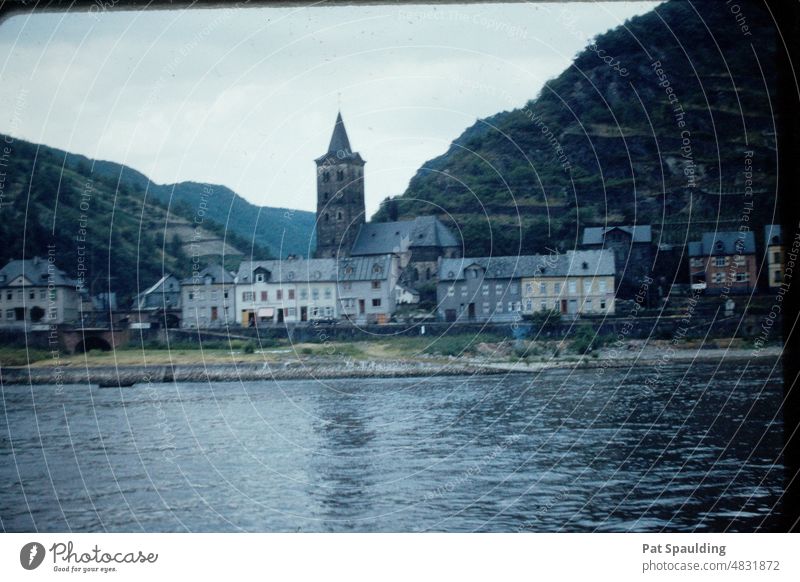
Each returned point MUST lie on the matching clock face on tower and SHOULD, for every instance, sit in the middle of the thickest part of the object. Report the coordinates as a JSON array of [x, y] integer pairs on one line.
[[340, 195]]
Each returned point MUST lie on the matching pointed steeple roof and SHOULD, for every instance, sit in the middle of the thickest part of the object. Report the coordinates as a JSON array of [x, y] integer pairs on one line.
[[339, 141], [339, 147]]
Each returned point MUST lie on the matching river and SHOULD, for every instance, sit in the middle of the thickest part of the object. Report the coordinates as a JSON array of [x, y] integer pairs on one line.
[[562, 450]]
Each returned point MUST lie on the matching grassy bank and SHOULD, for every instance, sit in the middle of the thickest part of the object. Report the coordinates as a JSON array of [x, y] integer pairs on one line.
[[486, 348]]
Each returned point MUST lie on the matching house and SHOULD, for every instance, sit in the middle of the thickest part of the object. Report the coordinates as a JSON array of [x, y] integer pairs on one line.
[[286, 291], [159, 304], [418, 243], [479, 289], [35, 292], [208, 298], [723, 262], [774, 249], [366, 288], [572, 283], [633, 253]]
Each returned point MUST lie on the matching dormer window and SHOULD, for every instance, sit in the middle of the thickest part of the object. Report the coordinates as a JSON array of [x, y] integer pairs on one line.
[[585, 265], [377, 268], [719, 246]]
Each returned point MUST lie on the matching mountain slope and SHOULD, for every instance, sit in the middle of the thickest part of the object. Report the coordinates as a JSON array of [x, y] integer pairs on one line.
[[103, 217], [665, 143]]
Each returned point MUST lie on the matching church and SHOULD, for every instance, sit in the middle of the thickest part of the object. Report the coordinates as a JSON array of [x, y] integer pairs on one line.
[[342, 229]]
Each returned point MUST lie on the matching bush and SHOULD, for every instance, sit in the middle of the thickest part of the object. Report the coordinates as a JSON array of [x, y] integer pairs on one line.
[[249, 348]]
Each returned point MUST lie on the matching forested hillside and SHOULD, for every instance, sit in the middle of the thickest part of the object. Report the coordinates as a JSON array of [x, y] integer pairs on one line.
[[652, 124]]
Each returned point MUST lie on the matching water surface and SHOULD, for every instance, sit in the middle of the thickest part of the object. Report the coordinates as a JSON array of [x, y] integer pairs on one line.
[[556, 451]]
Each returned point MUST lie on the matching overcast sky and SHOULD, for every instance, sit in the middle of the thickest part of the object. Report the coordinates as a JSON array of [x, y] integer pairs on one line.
[[247, 98]]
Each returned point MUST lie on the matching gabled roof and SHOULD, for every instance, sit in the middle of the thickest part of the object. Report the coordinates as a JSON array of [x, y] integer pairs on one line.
[[595, 235], [372, 268], [290, 270], [36, 272], [218, 274], [377, 238], [723, 243], [572, 263], [339, 147], [773, 231]]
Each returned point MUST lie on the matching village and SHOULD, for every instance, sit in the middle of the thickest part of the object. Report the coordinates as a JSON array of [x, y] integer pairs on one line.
[[379, 273]]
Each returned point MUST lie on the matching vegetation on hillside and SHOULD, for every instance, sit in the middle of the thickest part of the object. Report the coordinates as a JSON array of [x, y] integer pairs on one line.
[[109, 231], [600, 147]]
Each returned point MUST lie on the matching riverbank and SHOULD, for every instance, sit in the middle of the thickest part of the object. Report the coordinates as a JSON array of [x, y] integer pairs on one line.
[[291, 365]]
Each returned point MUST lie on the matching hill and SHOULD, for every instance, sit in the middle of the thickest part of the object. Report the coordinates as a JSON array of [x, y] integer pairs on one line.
[[651, 124], [117, 224]]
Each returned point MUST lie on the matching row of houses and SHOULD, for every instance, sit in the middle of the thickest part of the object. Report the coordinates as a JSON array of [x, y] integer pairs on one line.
[[369, 289]]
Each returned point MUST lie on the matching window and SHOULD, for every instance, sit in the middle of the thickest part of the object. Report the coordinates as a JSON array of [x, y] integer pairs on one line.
[[315, 294], [31, 294], [259, 277], [291, 293], [528, 289], [486, 307], [602, 305], [327, 218], [742, 277], [463, 290], [556, 288], [719, 261], [328, 311], [248, 296], [326, 176], [498, 288], [543, 305], [513, 290], [279, 295], [587, 286], [225, 294], [339, 215], [603, 286], [327, 292], [292, 312], [499, 307], [573, 287], [485, 289], [528, 305], [326, 195], [264, 296], [215, 295], [191, 296], [510, 306], [9, 295], [450, 291], [542, 288], [776, 257], [9, 314], [376, 284], [718, 277], [376, 302], [304, 294], [43, 294], [474, 273], [339, 175], [776, 276], [588, 305]]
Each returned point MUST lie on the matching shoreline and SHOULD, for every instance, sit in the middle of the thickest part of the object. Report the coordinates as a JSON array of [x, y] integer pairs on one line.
[[131, 375]]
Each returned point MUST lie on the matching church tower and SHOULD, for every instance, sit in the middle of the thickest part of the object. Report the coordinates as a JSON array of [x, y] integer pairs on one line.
[[340, 196]]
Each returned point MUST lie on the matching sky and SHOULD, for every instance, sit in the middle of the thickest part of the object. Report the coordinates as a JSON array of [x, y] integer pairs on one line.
[[248, 97]]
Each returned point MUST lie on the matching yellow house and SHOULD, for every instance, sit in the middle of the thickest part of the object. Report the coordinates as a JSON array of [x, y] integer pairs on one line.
[[773, 245], [573, 283]]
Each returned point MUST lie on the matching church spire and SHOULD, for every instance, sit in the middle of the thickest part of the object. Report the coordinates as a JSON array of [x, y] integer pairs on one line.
[[339, 140]]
